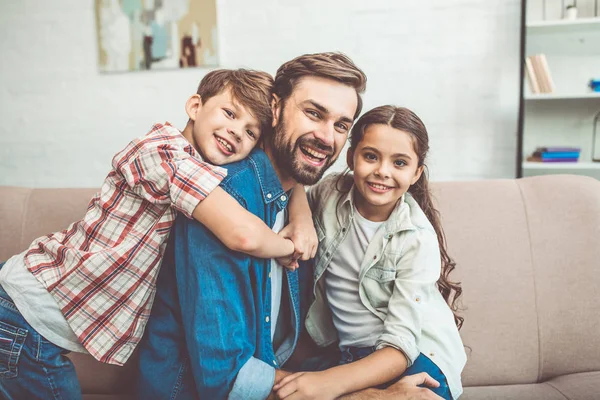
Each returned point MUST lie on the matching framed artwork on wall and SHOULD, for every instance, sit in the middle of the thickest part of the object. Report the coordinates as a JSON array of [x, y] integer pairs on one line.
[[136, 35]]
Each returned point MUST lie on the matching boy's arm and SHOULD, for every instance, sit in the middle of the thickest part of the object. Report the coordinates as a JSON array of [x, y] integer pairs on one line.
[[239, 229]]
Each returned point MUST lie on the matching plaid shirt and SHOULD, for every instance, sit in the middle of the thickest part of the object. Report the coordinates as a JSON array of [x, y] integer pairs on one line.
[[102, 269]]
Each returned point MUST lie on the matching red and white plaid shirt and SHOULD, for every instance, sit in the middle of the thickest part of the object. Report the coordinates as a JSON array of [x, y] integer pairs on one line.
[[102, 270]]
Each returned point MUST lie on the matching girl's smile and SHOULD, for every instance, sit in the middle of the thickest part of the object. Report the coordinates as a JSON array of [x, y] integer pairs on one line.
[[385, 165]]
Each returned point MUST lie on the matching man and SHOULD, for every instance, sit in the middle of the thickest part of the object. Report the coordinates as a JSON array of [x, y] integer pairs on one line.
[[224, 323]]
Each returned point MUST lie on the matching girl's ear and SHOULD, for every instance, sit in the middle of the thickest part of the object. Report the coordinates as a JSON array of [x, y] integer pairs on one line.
[[192, 105], [418, 173], [275, 109], [350, 159]]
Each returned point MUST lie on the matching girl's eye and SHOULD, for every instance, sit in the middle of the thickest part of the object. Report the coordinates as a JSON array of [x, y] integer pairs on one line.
[[370, 156], [400, 163], [229, 113], [251, 134]]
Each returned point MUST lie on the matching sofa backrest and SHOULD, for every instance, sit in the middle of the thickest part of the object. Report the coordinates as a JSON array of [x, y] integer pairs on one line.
[[528, 256], [527, 253]]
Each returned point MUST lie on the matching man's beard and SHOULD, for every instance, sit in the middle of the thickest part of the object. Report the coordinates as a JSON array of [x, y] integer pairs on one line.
[[287, 155]]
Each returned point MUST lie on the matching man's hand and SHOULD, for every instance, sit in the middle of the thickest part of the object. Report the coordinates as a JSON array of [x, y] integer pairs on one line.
[[279, 375], [305, 240], [406, 388]]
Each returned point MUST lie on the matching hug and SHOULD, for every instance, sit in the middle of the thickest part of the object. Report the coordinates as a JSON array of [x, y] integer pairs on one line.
[[225, 256]]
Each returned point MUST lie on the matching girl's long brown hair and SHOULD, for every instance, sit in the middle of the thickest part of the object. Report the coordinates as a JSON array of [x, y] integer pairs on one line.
[[405, 120]]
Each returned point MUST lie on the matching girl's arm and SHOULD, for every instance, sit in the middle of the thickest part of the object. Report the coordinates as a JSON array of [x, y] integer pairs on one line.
[[239, 229], [380, 367]]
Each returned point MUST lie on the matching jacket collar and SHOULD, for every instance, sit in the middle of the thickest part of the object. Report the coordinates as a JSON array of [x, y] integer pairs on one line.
[[270, 185], [399, 219]]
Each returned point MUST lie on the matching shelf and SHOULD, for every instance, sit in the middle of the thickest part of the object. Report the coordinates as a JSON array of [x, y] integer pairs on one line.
[[562, 25], [557, 96], [566, 165]]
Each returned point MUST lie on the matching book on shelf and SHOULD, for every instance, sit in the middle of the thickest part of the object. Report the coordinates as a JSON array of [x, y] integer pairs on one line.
[[555, 154], [538, 74], [551, 160]]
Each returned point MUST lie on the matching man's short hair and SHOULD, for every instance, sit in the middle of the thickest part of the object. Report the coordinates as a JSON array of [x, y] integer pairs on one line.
[[252, 89], [332, 65]]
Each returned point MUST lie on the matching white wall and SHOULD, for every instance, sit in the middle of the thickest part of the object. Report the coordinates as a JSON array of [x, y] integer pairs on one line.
[[455, 63]]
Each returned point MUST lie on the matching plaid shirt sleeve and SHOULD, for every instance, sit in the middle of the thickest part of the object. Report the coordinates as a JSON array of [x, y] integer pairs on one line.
[[168, 174]]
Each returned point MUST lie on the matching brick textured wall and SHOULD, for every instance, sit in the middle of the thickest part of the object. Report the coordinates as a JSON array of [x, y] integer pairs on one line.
[[453, 62]]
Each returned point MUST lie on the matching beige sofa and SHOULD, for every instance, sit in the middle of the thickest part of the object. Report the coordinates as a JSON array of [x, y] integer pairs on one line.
[[528, 254]]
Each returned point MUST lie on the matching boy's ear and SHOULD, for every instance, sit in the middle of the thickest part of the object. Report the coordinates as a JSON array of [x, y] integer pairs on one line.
[[192, 105], [418, 173], [350, 159], [275, 109]]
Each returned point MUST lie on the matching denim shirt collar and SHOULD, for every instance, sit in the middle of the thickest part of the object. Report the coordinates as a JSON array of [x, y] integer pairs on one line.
[[270, 186], [399, 219]]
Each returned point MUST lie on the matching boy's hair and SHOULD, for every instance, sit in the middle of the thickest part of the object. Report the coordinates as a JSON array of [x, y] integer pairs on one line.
[[252, 89], [335, 66], [405, 120]]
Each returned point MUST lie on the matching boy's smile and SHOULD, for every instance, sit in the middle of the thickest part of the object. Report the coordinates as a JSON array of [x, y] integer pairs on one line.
[[223, 131]]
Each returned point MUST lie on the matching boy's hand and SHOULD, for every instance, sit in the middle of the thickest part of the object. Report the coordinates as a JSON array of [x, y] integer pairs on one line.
[[304, 236]]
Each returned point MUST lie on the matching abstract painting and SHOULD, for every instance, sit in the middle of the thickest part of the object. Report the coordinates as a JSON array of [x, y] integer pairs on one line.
[[138, 35]]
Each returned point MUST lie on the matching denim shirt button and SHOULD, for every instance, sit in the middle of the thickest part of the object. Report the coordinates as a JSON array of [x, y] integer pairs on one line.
[[327, 254], [267, 319], [269, 195], [283, 198], [274, 362]]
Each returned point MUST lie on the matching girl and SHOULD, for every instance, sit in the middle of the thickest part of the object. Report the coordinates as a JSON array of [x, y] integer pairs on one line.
[[381, 271]]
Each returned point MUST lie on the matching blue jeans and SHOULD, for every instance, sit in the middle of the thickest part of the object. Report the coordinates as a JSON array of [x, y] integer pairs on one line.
[[421, 364], [30, 366]]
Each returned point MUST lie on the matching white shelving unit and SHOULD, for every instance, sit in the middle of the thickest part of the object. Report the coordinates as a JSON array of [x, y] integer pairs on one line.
[[563, 118]]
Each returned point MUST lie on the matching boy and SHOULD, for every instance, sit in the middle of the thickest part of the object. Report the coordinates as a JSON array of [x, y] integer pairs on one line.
[[90, 288]]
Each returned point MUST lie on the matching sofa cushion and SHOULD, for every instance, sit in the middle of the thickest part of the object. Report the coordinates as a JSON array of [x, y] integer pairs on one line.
[[534, 391], [582, 386]]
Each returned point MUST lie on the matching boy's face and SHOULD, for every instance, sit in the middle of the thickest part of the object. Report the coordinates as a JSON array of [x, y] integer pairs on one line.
[[223, 130]]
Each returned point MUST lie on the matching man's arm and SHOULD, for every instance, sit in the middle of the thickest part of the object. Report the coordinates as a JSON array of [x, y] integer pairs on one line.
[[406, 388], [219, 315]]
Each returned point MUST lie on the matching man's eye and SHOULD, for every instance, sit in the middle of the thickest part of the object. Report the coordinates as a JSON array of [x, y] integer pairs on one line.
[[251, 134], [313, 113], [342, 127], [229, 113]]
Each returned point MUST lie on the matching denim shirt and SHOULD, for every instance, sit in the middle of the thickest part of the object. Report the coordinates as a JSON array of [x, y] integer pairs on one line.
[[397, 280], [224, 299]]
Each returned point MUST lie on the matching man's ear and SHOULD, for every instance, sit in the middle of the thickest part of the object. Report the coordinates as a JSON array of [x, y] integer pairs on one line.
[[275, 109], [350, 159], [418, 173], [192, 105]]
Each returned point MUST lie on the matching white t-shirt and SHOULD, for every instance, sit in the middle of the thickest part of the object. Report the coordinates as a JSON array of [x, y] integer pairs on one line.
[[36, 305], [276, 277], [356, 325]]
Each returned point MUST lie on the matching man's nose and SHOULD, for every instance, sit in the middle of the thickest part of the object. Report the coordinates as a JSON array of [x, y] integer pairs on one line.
[[326, 134]]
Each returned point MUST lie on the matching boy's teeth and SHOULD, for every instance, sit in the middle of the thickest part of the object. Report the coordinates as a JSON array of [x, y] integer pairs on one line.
[[314, 153], [224, 143]]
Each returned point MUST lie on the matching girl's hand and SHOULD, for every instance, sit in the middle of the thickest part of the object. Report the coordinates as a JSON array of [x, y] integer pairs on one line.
[[307, 386], [304, 236]]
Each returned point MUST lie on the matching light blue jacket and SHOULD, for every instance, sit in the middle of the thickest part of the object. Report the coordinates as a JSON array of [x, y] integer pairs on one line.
[[397, 280]]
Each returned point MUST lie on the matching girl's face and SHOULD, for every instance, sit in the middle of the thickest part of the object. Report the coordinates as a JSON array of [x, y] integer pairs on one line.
[[385, 165]]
